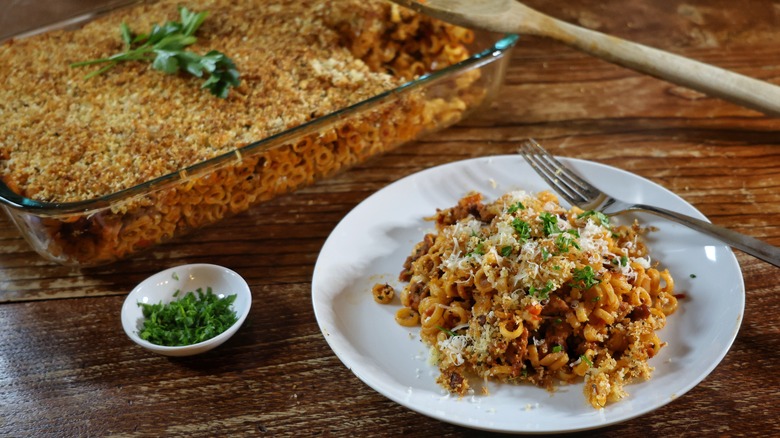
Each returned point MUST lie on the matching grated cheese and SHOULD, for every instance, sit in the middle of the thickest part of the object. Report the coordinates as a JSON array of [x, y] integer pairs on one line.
[[454, 348]]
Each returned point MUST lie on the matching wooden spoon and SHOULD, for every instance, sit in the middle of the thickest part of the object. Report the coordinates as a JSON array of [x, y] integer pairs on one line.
[[509, 16]]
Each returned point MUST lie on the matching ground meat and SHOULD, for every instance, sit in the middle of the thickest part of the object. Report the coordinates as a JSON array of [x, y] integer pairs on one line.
[[640, 312], [515, 353], [555, 306], [556, 334], [419, 250], [468, 205]]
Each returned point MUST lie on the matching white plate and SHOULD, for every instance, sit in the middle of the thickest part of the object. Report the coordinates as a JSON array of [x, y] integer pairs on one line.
[[371, 243]]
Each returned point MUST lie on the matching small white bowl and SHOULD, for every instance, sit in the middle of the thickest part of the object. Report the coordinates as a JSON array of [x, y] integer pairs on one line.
[[161, 287]]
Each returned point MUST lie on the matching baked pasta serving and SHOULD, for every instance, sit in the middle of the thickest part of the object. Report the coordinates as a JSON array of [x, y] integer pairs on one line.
[[523, 290]]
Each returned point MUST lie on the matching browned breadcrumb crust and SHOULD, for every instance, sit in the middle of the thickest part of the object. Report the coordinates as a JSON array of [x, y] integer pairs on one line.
[[343, 51], [63, 138]]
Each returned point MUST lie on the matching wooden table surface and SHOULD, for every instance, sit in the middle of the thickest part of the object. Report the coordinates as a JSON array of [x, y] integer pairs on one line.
[[67, 368]]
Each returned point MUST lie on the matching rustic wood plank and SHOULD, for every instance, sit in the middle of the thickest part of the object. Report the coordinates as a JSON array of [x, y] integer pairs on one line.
[[67, 369]]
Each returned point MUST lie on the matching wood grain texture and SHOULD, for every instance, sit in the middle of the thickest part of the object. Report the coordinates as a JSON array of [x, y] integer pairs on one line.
[[67, 369]]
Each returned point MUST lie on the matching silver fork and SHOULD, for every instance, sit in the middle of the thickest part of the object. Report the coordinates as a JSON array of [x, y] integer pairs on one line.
[[581, 193]]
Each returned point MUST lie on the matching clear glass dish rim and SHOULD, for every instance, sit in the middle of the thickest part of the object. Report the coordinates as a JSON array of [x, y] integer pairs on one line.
[[9, 198]]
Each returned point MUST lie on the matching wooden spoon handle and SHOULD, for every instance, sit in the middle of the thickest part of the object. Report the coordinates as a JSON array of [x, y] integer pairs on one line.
[[714, 81]]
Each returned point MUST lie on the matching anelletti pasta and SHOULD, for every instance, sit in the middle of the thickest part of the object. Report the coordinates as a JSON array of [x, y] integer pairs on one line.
[[523, 290], [65, 139]]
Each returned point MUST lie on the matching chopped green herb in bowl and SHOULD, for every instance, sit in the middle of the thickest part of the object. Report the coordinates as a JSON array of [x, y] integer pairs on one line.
[[186, 310], [190, 319]]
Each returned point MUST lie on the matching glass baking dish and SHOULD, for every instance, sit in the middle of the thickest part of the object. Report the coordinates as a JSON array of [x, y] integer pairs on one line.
[[116, 226]]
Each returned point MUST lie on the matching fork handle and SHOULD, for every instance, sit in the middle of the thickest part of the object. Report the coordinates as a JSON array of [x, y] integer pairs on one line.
[[750, 245]]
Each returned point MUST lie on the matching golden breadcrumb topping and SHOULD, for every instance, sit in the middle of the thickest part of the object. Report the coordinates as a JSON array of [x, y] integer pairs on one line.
[[64, 138]]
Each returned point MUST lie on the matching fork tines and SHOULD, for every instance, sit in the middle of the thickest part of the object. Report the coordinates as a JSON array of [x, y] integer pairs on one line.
[[565, 182]]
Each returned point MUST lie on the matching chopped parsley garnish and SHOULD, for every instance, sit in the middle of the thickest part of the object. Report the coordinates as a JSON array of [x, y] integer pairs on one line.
[[449, 332], [543, 293], [514, 207], [164, 46], [549, 223], [584, 278], [557, 349], [622, 261], [566, 240], [478, 250], [602, 218], [506, 251], [522, 228], [586, 360], [545, 254], [187, 320]]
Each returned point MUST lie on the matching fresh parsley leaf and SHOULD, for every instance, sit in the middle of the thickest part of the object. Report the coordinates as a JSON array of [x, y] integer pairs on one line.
[[191, 21], [127, 35], [222, 73]]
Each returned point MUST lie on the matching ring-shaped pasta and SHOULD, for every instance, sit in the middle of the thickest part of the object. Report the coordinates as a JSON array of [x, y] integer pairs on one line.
[[513, 333]]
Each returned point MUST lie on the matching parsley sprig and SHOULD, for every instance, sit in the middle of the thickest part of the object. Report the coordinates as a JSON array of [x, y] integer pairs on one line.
[[187, 320], [164, 46]]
